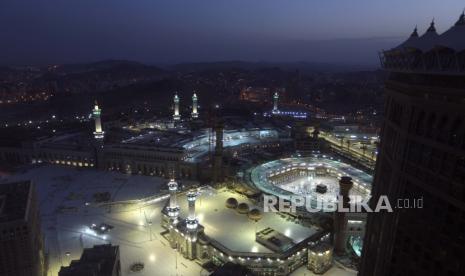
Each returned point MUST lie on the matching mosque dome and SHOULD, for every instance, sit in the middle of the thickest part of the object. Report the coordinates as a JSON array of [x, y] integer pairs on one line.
[[254, 214], [243, 208], [231, 203]]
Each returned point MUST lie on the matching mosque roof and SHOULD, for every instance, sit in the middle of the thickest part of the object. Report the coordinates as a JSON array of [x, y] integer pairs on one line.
[[454, 38]]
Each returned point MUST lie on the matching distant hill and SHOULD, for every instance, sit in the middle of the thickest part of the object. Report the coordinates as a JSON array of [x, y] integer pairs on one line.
[[104, 65], [96, 77], [304, 67]]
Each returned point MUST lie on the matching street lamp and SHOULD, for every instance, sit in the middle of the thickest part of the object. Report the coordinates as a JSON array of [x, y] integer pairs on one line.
[[176, 258]]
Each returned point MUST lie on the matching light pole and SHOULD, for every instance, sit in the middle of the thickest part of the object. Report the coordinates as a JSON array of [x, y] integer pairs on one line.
[[176, 258]]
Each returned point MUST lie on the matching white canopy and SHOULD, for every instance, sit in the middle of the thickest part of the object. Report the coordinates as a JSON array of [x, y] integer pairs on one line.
[[454, 38]]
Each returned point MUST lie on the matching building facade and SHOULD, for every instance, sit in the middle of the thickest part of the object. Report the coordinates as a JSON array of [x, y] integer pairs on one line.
[[21, 241], [148, 160], [422, 157], [188, 237], [100, 260]]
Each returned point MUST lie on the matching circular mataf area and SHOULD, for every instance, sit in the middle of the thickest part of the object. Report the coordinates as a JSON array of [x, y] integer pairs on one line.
[[316, 178]]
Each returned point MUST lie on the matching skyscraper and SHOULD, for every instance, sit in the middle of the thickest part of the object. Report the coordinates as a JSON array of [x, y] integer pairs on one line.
[[421, 157], [21, 243]]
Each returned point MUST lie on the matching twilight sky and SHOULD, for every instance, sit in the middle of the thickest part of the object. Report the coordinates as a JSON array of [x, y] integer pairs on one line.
[[168, 31]]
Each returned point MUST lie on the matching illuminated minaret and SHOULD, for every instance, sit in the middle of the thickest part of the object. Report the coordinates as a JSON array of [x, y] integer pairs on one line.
[[195, 114], [275, 103], [340, 222], [173, 207], [191, 221], [176, 115], [98, 133]]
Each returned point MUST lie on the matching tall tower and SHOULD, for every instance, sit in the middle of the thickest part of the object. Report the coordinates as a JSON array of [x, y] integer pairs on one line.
[[421, 157], [22, 249], [191, 221], [218, 156], [173, 207], [176, 115], [275, 102], [96, 112], [195, 113], [340, 222], [191, 225]]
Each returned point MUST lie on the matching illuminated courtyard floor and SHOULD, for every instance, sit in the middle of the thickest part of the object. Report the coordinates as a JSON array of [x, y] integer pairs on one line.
[[64, 192], [236, 231]]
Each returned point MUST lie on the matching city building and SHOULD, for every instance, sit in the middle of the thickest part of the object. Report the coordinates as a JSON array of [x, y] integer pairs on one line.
[[21, 242], [148, 159], [306, 139], [100, 260], [320, 257], [422, 157], [256, 94]]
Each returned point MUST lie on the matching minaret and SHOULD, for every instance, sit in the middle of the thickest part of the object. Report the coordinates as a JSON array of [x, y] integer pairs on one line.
[[218, 158], [191, 225], [191, 221], [275, 103], [176, 115], [345, 184], [173, 207], [195, 113], [98, 133]]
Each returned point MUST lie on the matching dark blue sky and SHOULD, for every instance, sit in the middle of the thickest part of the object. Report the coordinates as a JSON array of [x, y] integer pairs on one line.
[[156, 31]]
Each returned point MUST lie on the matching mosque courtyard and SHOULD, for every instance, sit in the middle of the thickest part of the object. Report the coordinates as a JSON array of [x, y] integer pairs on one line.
[[68, 210]]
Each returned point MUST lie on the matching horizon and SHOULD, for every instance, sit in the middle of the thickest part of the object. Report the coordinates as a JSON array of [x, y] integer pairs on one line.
[[160, 32], [165, 65]]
